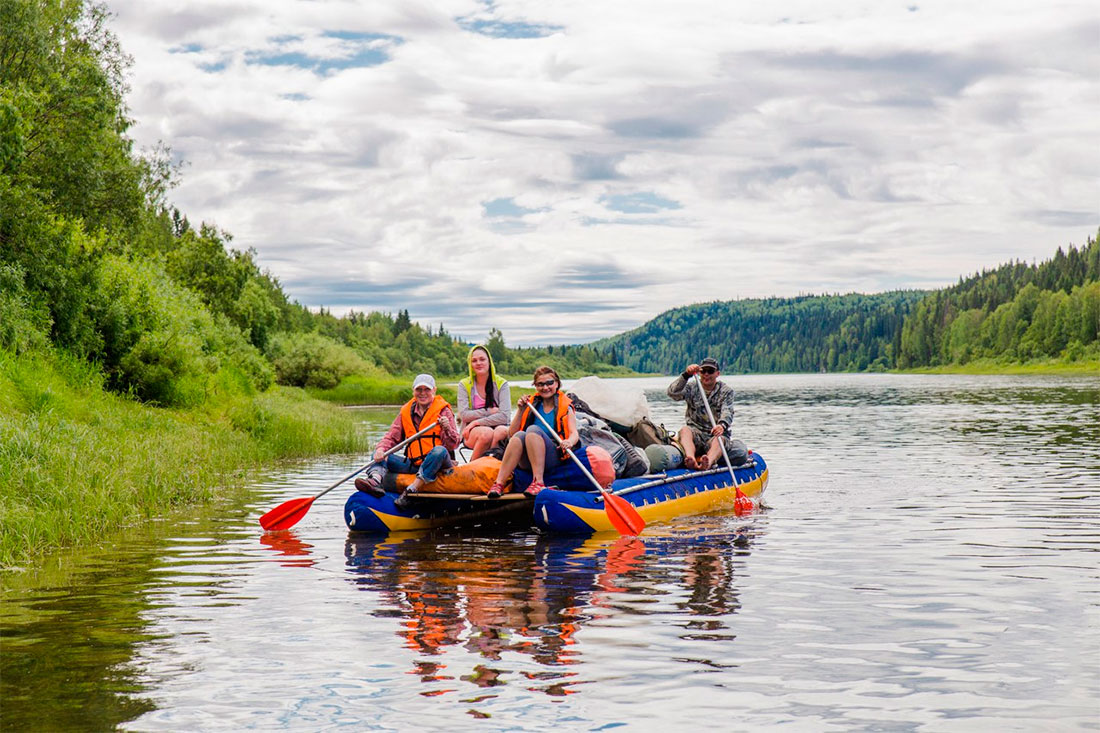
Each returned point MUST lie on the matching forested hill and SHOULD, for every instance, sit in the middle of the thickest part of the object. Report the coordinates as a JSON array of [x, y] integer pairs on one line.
[[808, 333], [1015, 313]]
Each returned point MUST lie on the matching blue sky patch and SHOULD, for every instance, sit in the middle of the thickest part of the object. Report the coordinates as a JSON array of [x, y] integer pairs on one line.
[[504, 29], [643, 202], [505, 207], [359, 50]]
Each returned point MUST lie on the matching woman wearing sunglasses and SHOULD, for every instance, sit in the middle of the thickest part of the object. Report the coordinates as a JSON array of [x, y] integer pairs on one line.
[[528, 444], [698, 435]]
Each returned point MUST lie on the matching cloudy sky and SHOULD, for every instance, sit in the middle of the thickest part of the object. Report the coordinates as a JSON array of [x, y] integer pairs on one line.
[[567, 170]]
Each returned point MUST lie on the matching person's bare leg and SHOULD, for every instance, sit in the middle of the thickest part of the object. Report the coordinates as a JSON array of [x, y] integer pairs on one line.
[[688, 442], [713, 452], [500, 435], [536, 454], [511, 459], [480, 439]]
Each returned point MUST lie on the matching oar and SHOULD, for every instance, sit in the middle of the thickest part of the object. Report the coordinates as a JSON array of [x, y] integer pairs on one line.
[[624, 517], [741, 503], [289, 513]]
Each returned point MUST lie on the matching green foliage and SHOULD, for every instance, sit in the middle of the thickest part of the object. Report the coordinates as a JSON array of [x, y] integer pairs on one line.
[[808, 333], [312, 360], [358, 389], [22, 327], [228, 281], [62, 129], [1016, 312], [160, 342], [57, 261]]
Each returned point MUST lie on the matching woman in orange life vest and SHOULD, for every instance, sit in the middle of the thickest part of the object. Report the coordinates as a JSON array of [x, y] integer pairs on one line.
[[427, 455], [483, 401], [528, 445]]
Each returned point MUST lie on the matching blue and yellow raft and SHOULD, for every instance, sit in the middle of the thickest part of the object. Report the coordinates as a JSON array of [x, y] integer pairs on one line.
[[658, 498]]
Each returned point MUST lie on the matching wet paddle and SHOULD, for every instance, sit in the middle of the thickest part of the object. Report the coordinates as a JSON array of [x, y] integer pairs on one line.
[[622, 514], [289, 513], [741, 504]]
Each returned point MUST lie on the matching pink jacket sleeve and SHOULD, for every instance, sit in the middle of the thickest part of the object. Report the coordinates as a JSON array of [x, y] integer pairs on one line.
[[392, 436]]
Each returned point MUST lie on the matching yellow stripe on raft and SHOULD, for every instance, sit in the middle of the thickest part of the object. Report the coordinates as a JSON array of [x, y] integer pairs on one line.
[[397, 523], [663, 511]]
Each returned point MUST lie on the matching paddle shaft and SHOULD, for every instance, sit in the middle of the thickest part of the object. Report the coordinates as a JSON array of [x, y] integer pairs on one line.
[[714, 424], [385, 455], [561, 443]]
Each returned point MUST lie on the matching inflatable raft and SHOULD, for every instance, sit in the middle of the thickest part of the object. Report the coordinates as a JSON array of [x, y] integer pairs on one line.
[[459, 499], [658, 498]]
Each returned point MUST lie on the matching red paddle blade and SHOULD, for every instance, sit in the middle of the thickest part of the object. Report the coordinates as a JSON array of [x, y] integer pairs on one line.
[[624, 517], [742, 505], [287, 514]]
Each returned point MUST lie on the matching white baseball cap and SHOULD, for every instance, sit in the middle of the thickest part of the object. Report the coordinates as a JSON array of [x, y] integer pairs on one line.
[[424, 380]]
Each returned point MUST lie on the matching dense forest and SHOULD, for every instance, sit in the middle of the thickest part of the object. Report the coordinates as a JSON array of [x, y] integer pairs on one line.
[[1017, 312], [1012, 314], [96, 262], [807, 333]]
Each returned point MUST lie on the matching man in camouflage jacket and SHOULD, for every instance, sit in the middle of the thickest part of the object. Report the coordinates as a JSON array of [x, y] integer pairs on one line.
[[698, 434]]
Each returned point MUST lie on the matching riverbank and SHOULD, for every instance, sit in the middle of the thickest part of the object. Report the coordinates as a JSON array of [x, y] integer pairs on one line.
[[77, 462], [988, 366]]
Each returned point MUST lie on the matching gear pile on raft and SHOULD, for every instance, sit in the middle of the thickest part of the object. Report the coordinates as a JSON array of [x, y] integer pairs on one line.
[[562, 460]]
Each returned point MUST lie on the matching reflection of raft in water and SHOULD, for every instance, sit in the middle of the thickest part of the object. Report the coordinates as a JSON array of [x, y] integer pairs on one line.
[[459, 498]]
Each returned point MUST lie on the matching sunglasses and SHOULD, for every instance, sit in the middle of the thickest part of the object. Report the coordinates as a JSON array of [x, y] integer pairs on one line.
[[546, 383], [708, 370]]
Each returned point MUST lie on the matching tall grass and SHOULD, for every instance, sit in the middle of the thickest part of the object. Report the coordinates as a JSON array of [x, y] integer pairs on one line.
[[77, 462], [359, 389]]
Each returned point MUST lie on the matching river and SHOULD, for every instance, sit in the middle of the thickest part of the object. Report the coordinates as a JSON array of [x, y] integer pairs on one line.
[[929, 559]]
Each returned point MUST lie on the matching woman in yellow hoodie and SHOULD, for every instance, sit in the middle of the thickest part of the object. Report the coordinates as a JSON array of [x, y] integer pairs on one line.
[[484, 404]]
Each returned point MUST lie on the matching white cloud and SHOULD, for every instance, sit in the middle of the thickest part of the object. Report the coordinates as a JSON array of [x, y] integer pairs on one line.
[[655, 155]]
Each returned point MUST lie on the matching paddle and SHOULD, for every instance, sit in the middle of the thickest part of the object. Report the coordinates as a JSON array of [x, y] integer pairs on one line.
[[622, 514], [741, 504], [289, 513]]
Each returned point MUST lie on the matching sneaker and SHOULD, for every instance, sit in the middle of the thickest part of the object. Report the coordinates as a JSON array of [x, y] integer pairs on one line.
[[369, 485], [495, 491], [402, 502], [534, 489]]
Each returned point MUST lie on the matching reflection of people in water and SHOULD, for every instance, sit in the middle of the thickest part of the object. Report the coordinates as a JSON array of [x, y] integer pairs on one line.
[[453, 593], [492, 602]]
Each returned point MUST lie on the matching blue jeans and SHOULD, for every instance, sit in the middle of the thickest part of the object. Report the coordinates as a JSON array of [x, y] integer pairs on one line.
[[437, 459], [553, 456]]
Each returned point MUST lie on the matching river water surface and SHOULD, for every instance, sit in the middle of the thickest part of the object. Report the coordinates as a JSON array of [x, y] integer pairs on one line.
[[929, 560]]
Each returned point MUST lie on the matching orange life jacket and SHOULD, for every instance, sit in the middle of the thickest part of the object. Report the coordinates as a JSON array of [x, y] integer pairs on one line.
[[416, 450], [564, 403]]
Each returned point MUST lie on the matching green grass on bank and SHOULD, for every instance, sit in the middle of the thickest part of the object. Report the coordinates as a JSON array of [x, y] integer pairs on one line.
[[990, 366], [77, 462], [361, 389]]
